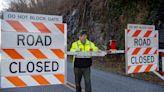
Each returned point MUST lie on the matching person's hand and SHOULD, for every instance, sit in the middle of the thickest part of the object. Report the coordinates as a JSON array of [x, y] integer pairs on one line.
[[78, 50], [99, 51], [90, 49]]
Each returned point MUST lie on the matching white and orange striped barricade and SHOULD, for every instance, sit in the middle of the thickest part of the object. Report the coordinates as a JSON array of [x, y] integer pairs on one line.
[[33, 53], [141, 50]]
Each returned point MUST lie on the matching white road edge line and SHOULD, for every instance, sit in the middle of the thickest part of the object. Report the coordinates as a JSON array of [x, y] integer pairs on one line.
[[156, 73], [72, 86]]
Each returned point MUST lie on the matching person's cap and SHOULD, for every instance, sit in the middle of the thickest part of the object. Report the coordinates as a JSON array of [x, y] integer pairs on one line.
[[83, 32]]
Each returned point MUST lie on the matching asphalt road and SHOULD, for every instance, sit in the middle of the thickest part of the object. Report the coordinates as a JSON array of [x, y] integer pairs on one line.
[[110, 82], [52, 88], [101, 82]]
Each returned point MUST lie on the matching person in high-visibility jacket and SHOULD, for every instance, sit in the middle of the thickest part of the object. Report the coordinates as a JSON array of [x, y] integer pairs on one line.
[[82, 64]]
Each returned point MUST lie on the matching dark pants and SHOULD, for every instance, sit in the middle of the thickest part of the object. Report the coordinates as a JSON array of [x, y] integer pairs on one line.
[[85, 72]]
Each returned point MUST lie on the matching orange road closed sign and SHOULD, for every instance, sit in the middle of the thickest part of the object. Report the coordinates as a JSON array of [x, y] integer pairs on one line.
[[32, 50], [141, 47]]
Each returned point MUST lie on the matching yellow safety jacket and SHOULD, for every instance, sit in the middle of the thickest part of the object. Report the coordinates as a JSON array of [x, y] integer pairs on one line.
[[78, 46]]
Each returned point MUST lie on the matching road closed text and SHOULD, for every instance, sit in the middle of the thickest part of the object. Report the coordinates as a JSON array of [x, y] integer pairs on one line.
[[33, 40], [142, 59], [46, 66], [28, 40], [31, 67], [142, 42]]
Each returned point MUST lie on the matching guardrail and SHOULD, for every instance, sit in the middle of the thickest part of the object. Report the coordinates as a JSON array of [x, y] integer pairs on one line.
[[99, 53]]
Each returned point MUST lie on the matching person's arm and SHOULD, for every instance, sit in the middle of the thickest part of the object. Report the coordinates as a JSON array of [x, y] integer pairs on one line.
[[94, 47], [73, 47]]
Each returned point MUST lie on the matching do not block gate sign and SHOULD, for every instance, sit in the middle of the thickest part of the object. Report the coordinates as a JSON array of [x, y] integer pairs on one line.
[[141, 46], [33, 51]]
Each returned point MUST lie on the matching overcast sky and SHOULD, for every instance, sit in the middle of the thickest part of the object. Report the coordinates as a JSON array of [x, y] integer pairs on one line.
[[4, 4]]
